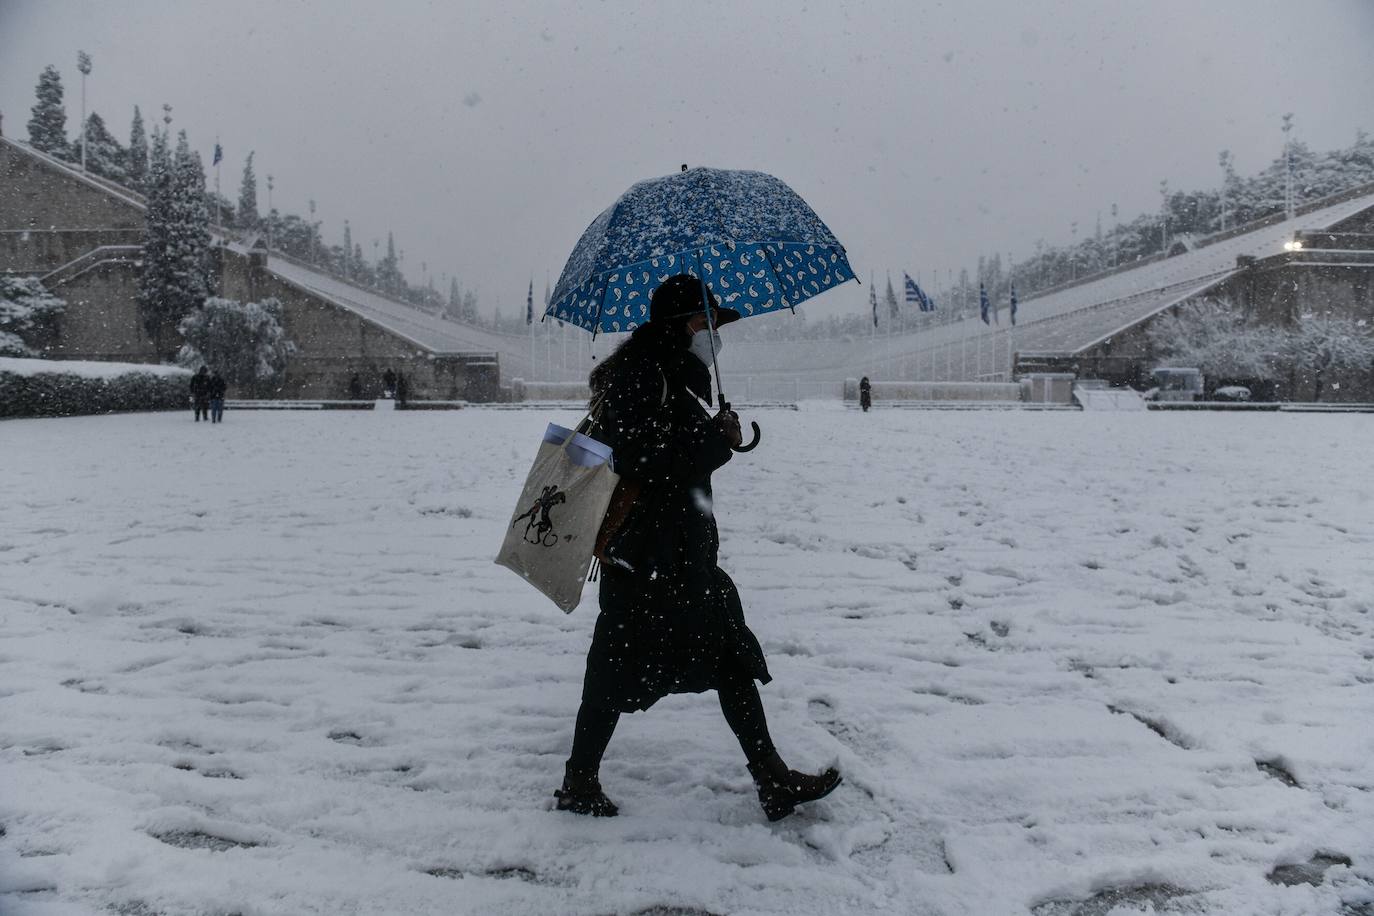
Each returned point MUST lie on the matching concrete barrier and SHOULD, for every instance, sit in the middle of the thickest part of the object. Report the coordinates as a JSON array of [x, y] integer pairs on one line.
[[984, 392], [523, 390]]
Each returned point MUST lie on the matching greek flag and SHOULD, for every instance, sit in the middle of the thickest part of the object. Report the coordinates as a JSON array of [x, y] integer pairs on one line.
[[983, 303], [219, 154], [1013, 303], [914, 294]]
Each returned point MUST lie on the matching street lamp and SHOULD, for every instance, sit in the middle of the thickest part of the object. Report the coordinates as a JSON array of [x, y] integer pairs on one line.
[[83, 63], [1293, 245], [1288, 166], [269, 211]]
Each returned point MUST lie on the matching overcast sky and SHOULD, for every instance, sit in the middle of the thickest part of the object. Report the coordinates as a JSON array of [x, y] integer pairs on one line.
[[487, 135]]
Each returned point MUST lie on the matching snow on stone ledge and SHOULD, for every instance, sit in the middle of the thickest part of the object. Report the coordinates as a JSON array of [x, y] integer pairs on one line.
[[84, 368]]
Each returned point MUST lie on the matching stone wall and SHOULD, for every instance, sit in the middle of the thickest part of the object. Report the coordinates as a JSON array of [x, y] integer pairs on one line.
[[102, 321], [1274, 291], [38, 194], [41, 251], [334, 344]]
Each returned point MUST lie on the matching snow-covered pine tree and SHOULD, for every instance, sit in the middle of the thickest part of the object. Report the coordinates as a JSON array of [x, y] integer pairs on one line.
[[454, 309], [248, 196], [470, 307], [27, 310], [243, 341], [104, 154], [890, 299], [137, 157], [48, 126]]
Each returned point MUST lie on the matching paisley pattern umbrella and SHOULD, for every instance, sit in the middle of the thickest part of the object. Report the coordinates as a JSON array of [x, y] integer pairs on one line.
[[747, 234]]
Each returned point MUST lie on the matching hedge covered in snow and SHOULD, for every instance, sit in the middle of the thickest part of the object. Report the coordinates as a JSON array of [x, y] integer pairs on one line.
[[54, 388]]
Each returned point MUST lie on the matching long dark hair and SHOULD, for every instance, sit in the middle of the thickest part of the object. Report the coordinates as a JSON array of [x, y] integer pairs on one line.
[[653, 342]]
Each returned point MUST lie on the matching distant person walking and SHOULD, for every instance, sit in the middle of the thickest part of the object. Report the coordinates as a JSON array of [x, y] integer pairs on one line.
[[402, 388], [217, 389], [389, 383], [865, 393], [200, 393], [355, 387]]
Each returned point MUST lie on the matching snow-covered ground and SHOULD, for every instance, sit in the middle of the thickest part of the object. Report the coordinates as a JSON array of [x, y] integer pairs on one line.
[[1066, 661]]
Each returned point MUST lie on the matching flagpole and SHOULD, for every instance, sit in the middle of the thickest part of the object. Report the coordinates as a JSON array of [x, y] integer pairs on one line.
[[219, 155], [963, 335]]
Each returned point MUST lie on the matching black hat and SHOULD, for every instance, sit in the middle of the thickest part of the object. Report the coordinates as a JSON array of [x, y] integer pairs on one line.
[[680, 295]]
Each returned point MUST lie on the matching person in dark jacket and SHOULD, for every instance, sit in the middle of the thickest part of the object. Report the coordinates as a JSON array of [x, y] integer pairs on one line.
[[671, 619], [200, 393], [217, 388], [865, 393], [389, 382]]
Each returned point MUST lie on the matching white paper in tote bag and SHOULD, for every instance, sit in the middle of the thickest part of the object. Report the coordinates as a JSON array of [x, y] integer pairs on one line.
[[552, 532]]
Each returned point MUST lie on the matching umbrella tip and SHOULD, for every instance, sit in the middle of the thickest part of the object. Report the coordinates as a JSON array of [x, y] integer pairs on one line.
[[684, 166]]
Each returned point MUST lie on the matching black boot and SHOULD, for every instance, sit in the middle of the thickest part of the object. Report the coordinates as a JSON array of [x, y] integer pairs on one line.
[[581, 794], [782, 789]]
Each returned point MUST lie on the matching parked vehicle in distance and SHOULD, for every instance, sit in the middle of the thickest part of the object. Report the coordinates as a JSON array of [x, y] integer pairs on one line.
[[1231, 393], [1176, 384]]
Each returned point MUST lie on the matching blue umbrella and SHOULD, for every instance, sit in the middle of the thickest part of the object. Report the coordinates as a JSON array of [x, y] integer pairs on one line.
[[754, 241]]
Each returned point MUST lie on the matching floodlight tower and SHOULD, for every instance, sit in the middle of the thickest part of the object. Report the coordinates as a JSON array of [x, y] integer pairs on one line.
[[83, 63]]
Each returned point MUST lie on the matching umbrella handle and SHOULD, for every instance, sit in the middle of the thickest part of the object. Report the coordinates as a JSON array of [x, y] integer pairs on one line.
[[753, 443]]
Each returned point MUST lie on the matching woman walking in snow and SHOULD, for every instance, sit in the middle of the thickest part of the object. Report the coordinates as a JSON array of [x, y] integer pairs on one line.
[[671, 619]]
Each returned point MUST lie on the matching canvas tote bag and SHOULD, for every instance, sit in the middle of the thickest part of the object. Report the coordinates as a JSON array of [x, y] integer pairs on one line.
[[553, 530]]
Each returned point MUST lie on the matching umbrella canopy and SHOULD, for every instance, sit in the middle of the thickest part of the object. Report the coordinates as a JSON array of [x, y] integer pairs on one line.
[[753, 240]]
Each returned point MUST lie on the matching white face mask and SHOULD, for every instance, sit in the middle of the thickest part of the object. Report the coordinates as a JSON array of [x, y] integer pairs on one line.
[[701, 345]]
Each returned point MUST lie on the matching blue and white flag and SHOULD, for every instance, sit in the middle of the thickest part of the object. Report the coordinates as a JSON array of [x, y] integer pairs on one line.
[[219, 154], [529, 305], [914, 294], [1013, 303], [983, 303]]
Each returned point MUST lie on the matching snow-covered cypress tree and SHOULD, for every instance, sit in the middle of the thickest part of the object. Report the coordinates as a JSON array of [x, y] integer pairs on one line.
[[191, 226], [389, 272], [137, 158], [248, 196], [48, 126], [347, 250], [175, 277], [454, 308], [156, 273], [890, 298], [104, 155]]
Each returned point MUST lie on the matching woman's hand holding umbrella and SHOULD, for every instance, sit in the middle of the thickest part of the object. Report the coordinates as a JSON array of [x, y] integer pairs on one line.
[[728, 421]]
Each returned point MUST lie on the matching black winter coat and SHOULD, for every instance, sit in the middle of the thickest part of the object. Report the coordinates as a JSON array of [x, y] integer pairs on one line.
[[671, 619], [200, 386]]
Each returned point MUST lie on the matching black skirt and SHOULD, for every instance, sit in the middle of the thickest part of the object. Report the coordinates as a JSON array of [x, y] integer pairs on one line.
[[668, 635]]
